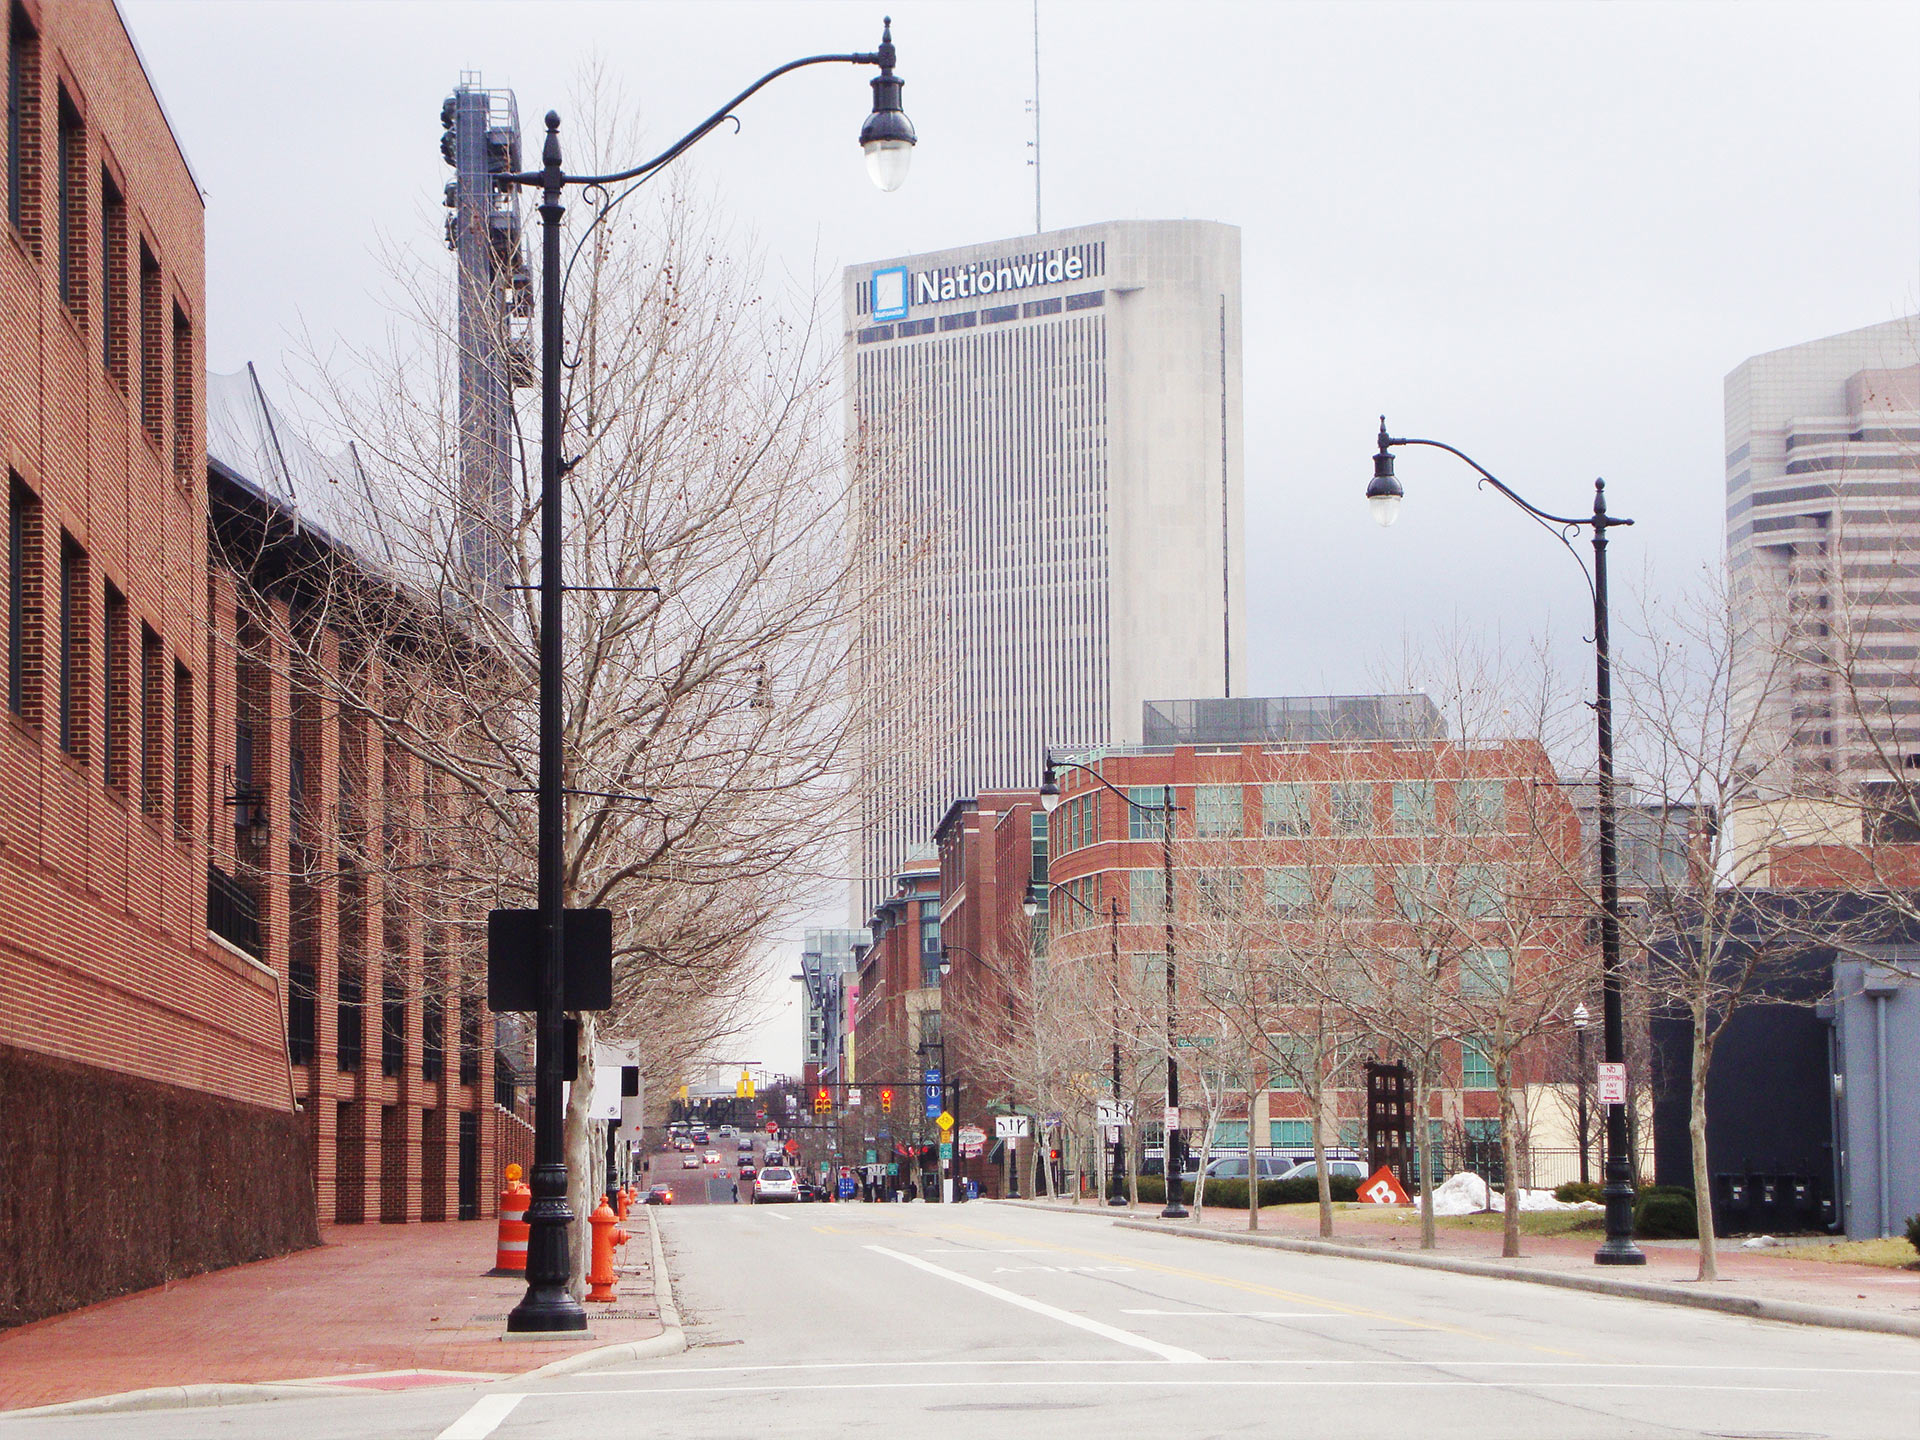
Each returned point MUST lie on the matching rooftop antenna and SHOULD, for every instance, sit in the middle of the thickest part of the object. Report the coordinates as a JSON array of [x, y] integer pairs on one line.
[[1033, 106]]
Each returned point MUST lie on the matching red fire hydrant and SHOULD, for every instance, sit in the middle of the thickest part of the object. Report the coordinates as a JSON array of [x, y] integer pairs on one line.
[[606, 1234], [626, 1198]]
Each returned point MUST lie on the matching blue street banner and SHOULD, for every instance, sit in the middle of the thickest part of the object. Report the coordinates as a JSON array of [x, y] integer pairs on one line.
[[849, 1187], [936, 1093]]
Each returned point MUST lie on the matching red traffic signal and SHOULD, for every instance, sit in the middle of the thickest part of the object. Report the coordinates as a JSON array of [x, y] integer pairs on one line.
[[822, 1101], [886, 1099]]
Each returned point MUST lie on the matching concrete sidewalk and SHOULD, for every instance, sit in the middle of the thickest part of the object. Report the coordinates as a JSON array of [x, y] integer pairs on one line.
[[1770, 1277], [379, 1307]]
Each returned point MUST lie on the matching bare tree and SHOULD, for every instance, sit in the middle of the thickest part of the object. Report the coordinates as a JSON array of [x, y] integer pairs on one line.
[[719, 579]]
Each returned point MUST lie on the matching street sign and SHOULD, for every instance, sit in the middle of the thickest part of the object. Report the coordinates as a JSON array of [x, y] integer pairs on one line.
[[893, 1167], [946, 1150], [1010, 1127], [773, 1126], [1171, 1117], [1112, 1112], [1613, 1084], [935, 1093], [853, 1097], [1194, 1042], [849, 1187], [945, 1120], [872, 1157]]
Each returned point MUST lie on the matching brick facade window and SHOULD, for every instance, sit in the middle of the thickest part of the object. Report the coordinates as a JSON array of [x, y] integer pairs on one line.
[[352, 930], [153, 345], [73, 647], [185, 373], [72, 198], [24, 602], [469, 1040], [23, 127], [113, 278], [393, 1020], [303, 971], [182, 751], [116, 713], [153, 681]]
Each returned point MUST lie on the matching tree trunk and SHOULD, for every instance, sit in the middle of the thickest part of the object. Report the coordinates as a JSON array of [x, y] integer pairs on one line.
[[579, 1151], [1697, 1136], [1133, 1169], [1423, 1147], [1509, 1162], [1323, 1182], [1256, 1126], [1200, 1172]]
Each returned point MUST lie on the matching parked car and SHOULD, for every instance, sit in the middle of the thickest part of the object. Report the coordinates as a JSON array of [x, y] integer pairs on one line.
[[689, 1161], [775, 1183], [1338, 1169], [1234, 1167], [807, 1190], [660, 1195]]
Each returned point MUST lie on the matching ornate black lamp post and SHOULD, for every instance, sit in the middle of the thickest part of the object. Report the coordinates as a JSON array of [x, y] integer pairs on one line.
[[887, 137], [1580, 1022], [1383, 497], [1050, 801]]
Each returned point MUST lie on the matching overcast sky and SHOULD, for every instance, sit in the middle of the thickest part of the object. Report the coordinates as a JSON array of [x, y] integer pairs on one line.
[[1541, 233]]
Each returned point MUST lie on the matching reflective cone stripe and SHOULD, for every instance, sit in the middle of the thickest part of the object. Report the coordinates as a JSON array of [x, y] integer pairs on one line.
[[510, 1250]]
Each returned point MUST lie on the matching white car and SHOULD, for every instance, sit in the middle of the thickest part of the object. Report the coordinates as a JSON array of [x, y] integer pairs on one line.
[[1234, 1167], [725, 1131], [775, 1183], [1336, 1170], [712, 1157]]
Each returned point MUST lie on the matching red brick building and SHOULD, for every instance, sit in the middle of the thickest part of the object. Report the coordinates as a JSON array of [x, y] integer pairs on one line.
[[173, 1022], [897, 1023], [321, 858], [1364, 839], [137, 1053]]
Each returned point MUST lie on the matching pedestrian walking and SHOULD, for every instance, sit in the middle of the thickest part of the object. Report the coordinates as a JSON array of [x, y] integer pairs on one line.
[[736, 1192]]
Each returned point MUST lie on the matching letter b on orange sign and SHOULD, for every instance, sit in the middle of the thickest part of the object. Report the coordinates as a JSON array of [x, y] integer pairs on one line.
[[1381, 1188]]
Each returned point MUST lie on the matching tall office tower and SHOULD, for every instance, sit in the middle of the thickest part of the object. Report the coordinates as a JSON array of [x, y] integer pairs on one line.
[[1047, 439], [1823, 526], [495, 300]]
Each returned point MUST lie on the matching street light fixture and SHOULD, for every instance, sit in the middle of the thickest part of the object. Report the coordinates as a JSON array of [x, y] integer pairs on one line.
[[887, 137], [1050, 801], [1383, 498]]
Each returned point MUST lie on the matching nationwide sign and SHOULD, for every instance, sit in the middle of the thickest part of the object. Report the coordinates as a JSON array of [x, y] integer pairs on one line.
[[892, 288]]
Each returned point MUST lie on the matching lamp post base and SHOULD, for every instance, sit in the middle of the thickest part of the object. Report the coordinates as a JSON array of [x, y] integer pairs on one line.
[[1174, 1211], [1618, 1248]]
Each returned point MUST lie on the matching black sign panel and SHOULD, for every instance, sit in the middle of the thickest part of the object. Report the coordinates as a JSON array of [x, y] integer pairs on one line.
[[513, 960]]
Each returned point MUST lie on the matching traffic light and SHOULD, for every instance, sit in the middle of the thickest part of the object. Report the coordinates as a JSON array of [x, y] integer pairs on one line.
[[886, 1099], [822, 1101]]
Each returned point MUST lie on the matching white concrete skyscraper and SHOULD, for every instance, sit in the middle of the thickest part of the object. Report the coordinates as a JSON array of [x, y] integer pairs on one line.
[[1049, 429], [1823, 548]]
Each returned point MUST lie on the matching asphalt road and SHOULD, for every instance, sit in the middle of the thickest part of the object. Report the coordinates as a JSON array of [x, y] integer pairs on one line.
[[963, 1321]]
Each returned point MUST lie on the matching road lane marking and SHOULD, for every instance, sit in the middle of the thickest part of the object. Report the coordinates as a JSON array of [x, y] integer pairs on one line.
[[776, 1215], [481, 1421], [1039, 1307], [1251, 1288]]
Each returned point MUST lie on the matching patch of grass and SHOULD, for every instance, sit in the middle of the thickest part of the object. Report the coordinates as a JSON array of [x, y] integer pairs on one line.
[[1532, 1222], [1891, 1253]]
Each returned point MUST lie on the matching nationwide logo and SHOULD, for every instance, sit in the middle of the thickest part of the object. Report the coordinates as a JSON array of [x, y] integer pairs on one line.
[[895, 289]]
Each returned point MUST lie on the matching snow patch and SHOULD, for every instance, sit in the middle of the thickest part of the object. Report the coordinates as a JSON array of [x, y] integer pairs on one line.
[[1467, 1194]]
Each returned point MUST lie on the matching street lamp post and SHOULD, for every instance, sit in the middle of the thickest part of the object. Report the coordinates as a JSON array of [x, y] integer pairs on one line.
[[1049, 801], [1383, 498], [887, 138], [1580, 1021]]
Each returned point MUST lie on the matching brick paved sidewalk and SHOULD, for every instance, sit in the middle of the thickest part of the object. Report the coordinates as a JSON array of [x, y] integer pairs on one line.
[[370, 1301], [1771, 1274]]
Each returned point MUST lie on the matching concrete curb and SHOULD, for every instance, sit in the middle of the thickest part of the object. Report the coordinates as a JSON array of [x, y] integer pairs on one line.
[[182, 1397], [1753, 1307], [672, 1340]]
